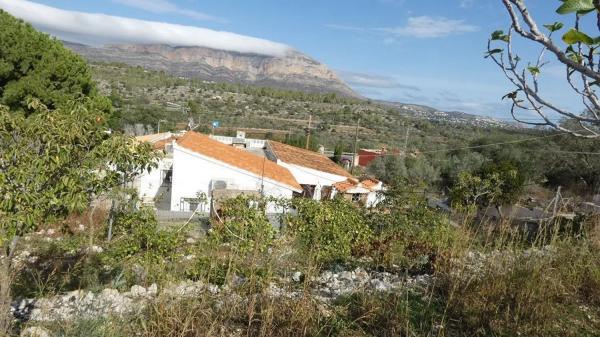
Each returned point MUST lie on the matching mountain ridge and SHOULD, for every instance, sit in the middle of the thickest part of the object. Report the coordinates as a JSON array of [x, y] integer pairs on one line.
[[295, 71]]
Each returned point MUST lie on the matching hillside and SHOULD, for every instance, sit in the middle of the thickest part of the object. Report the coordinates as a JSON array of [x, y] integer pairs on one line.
[[294, 71], [141, 96]]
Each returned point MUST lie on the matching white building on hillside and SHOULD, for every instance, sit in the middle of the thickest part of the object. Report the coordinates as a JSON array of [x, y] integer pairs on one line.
[[204, 165]]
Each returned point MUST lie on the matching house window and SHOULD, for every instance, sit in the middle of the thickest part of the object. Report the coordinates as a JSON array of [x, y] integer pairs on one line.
[[356, 197]]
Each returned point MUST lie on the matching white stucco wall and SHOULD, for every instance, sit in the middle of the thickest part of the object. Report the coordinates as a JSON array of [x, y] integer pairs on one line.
[[193, 173], [149, 182], [308, 176]]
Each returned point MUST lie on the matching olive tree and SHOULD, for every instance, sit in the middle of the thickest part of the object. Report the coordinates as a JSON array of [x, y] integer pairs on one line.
[[576, 50], [52, 163]]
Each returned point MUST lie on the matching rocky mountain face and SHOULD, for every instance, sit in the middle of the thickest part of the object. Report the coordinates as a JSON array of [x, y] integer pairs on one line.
[[295, 71]]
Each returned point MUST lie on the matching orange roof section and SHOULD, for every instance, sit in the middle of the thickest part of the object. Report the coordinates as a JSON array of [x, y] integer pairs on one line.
[[370, 183], [305, 158], [344, 186], [241, 159]]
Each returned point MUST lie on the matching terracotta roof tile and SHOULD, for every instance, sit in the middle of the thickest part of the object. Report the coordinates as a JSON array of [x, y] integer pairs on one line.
[[242, 159], [370, 183], [305, 158], [160, 145], [344, 186]]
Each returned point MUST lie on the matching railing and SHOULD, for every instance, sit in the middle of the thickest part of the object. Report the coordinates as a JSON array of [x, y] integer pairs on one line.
[[250, 143]]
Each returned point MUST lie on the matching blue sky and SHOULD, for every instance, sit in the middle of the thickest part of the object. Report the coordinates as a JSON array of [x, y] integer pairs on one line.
[[414, 51]]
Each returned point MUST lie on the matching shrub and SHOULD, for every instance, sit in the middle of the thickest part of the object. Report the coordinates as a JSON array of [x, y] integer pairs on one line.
[[329, 231], [245, 225], [138, 233], [408, 233]]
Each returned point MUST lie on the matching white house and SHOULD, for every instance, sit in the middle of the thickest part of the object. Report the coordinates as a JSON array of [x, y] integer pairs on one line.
[[218, 167], [366, 192], [313, 171], [204, 165], [153, 185]]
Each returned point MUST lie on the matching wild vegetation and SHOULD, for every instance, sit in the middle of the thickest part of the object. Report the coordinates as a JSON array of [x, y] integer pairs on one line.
[[333, 269]]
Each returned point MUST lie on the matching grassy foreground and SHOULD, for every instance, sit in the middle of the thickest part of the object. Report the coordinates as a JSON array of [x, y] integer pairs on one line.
[[486, 280]]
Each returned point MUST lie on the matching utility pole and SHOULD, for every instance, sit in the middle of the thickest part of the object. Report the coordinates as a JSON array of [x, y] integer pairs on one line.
[[354, 154], [308, 131]]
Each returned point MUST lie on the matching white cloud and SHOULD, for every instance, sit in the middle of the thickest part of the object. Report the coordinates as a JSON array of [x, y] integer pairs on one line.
[[163, 6], [421, 27], [374, 81], [93, 28], [426, 27]]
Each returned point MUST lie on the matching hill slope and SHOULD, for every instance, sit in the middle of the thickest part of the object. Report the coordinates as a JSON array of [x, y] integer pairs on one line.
[[295, 71]]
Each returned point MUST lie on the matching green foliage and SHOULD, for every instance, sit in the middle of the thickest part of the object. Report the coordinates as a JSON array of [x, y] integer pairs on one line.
[[470, 162], [33, 65], [470, 191], [329, 231], [576, 6], [494, 185], [337, 153], [508, 180], [245, 225], [55, 161], [395, 167], [407, 233], [137, 233]]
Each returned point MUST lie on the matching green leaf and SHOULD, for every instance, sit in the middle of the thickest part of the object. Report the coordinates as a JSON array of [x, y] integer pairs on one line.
[[534, 70], [493, 51], [500, 36], [555, 26], [578, 6], [574, 36]]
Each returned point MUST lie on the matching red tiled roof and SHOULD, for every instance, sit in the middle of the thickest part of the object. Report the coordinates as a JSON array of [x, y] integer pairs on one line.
[[344, 186], [370, 183], [242, 159], [305, 158]]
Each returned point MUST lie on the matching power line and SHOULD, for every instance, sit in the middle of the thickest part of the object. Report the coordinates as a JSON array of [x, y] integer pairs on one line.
[[476, 146]]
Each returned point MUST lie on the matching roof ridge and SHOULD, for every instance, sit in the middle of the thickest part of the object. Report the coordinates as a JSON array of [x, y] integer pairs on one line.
[[306, 158]]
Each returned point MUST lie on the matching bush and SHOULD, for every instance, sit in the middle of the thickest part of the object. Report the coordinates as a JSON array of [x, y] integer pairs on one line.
[[329, 231], [409, 234], [245, 225], [137, 233]]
